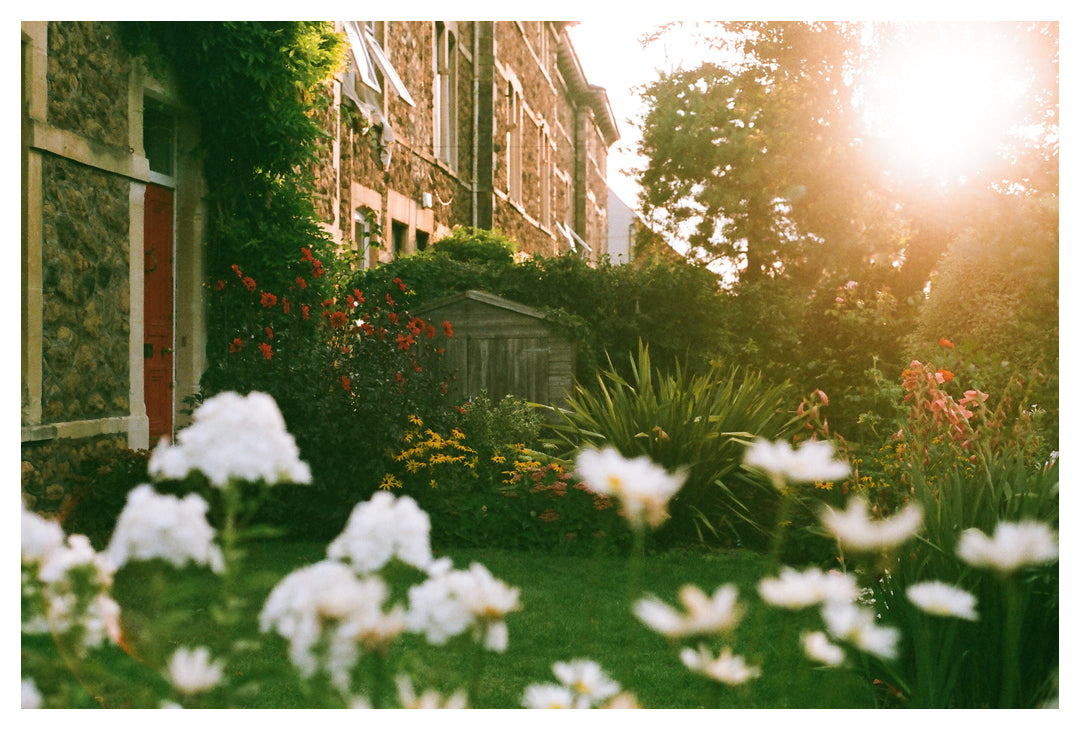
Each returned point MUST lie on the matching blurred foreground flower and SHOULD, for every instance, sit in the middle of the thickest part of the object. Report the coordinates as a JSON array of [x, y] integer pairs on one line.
[[191, 671], [704, 615], [382, 528], [450, 601], [856, 531], [794, 589], [162, 526], [942, 599], [429, 700], [857, 626], [642, 487], [726, 668], [818, 648], [233, 437], [582, 685], [811, 461], [1013, 546]]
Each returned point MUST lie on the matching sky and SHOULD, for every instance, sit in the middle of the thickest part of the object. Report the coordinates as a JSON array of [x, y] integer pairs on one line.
[[613, 57]]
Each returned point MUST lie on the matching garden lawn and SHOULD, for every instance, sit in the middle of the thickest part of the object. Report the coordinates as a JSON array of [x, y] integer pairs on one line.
[[578, 607]]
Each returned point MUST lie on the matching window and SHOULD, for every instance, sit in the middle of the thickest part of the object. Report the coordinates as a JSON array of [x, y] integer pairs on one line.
[[446, 89], [363, 230], [544, 144], [515, 114], [399, 235], [159, 138], [369, 67], [422, 238]]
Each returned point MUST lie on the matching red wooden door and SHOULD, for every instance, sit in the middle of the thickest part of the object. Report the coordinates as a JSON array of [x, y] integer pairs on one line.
[[158, 311]]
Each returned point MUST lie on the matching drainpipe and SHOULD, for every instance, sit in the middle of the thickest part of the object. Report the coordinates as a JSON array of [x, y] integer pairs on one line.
[[484, 117]]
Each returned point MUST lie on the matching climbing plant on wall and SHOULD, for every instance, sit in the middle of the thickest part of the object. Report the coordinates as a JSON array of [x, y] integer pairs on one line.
[[255, 88]]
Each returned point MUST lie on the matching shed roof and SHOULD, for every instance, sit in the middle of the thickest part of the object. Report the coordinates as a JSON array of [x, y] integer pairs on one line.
[[484, 298]]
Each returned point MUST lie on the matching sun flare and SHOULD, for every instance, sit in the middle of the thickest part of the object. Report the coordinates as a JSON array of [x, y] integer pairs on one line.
[[938, 106]]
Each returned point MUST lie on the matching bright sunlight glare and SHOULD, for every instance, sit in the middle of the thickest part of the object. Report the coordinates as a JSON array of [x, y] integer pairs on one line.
[[939, 107]]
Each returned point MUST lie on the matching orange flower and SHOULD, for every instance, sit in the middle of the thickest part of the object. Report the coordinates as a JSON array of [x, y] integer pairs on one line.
[[236, 345], [945, 343], [345, 383], [448, 329], [268, 300], [249, 283], [338, 319], [943, 376], [264, 348]]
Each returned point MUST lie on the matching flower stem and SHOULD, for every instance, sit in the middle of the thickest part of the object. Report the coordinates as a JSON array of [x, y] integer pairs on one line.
[[1010, 687]]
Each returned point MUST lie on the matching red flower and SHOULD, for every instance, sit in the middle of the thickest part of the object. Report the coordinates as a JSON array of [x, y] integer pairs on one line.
[[416, 366], [345, 382], [400, 283], [317, 269], [399, 377], [265, 350], [249, 283], [447, 329], [305, 310], [236, 269], [389, 300], [236, 345], [305, 254], [943, 376], [268, 300], [286, 306], [392, 316], [219, 285], [327, 303], [945, 343], [338, 319], [430, 331], [269, 333], [300, 282], [359, 295]]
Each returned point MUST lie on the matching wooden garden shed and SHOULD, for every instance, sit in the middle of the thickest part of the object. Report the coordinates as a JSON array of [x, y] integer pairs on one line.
[[504, 348]]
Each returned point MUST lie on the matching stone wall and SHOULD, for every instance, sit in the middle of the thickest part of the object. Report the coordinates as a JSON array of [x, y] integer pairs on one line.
[[85, 293], [52, 469], [88, 81]]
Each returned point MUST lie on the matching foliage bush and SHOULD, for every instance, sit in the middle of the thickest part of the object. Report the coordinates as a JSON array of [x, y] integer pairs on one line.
[[604, 308], [486, 484], [347, 372]]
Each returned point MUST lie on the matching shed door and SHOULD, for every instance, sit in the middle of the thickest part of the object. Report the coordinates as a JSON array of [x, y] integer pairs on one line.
[[158, 310], [515, 366]]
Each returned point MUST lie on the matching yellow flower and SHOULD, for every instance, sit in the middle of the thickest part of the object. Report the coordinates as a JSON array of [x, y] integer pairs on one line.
[[413, 466], [823, 485], [391, 482], [458, 434], [498, 459], [416, 420]]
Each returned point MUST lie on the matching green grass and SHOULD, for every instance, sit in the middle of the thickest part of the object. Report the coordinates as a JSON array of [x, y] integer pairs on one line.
[[573, 607]]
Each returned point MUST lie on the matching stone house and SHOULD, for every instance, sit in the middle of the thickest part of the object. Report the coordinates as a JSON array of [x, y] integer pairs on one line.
[[436, 124]]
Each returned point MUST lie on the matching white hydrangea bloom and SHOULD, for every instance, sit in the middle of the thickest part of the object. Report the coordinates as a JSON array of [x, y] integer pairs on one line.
[[163, 526], [856, 531], [727, 668], [39, 536], [795, 589], [382, 528], [233, 437], [326, 602], [1013, 546], [642, 487], [82, 605], [191, 670], [451, 601], [857, 626], [942, 599], [587, 681], [704, 614], [811, 461]]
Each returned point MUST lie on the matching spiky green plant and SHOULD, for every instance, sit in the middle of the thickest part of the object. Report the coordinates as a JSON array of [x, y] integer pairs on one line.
[[699, 422]]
